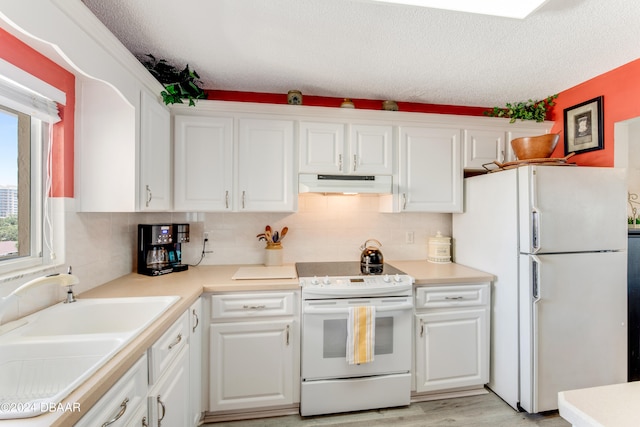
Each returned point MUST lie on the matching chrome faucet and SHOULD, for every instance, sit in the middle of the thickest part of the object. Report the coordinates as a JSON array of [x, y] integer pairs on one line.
[[67, 280]]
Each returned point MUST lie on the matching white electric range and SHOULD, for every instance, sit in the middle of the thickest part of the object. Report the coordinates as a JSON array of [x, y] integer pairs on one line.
[[329, 383]]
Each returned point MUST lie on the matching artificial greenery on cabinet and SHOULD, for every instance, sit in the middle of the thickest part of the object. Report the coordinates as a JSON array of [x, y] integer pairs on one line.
[[179, 84], [524, 110]]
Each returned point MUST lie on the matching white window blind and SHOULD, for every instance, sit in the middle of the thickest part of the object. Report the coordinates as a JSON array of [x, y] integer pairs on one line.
[[27, 94]]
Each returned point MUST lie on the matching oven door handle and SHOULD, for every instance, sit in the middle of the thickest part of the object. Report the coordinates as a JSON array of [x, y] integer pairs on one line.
[[345, 310]]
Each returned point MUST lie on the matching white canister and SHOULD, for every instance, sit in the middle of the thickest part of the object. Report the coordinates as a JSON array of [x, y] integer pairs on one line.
[[273, 254], [439, 249]]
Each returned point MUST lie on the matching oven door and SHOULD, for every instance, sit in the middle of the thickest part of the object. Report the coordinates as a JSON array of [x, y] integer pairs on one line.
[[324, 338]]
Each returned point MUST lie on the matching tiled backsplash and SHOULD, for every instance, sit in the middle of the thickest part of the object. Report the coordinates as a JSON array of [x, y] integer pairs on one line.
[[101, 246]]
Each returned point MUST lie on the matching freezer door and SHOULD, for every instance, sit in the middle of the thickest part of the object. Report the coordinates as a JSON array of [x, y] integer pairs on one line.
[[573, 330], [571, 209]]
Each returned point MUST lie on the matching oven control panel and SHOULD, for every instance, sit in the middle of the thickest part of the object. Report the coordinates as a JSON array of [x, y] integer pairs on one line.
[[357, 285]]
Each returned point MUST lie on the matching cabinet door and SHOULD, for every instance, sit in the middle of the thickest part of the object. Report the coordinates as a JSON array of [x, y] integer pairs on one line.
[[430, 170], [483, 146], [203, 163], [265, 166], [155, 155], [322, 147], [451, 349], [169, 399], [196, 384], [123, 403], [251, 365], [371, 150]]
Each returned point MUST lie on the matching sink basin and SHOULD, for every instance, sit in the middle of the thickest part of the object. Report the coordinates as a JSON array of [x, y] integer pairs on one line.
[[93, 316], [46, 355], [37, 373]]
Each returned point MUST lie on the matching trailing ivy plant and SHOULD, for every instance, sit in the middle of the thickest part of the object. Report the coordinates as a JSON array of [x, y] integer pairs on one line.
[[178, 84], [529, 110]]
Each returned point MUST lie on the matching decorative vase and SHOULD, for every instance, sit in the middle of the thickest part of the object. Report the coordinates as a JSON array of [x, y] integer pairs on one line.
[[294, 97], [347, 103], [389, 105], [273, 254]]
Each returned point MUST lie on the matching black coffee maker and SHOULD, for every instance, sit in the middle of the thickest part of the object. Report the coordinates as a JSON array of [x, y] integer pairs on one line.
[[160, 248]]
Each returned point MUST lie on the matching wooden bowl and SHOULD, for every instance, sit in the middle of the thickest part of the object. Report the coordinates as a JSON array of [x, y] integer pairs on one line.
[[535, 147]]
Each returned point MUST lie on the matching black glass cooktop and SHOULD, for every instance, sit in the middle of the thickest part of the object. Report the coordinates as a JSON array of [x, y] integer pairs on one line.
[[335, 269]]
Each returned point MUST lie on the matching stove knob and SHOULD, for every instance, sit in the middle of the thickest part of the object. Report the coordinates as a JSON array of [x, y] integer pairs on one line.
[[386, 278], [326, 280], [397, 278], [315, 281]]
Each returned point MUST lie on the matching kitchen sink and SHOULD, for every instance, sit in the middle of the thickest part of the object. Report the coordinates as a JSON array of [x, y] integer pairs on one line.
[[46, 355], [95, 316]]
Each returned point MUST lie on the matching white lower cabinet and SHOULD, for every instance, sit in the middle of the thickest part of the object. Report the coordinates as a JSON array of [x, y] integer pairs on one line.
[[254, 351], [124, 404], [451, 337], [196, 404], [168, 397]]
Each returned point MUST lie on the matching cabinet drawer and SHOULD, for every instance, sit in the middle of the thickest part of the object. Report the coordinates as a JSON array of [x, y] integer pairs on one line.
[[266, 304], [123, 403], [452, 296], [167, 347]]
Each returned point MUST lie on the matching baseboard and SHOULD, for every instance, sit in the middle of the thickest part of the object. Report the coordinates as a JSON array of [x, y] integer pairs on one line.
[[244, 414], [449, 394]]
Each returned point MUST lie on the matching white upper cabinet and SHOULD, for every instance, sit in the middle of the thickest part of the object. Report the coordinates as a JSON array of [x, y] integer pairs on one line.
[[324, 148], [430, 170], [371, 149], [233, 163], [155, 155], [266, 180], [203, 163], [483, 146]]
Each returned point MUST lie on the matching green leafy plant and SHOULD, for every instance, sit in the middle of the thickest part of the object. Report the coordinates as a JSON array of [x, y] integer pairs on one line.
[[529, 110], [179, 84]]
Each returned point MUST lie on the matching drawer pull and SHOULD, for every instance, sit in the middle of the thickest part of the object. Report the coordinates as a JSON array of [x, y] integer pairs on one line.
[[161, 403], [176, 342], [288, 328], [421, 328], [454, 298], [123, 409], [254, 307], [195, 316]]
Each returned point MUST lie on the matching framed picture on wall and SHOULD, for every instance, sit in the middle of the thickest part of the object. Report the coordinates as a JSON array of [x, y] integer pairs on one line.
[[583, 127]]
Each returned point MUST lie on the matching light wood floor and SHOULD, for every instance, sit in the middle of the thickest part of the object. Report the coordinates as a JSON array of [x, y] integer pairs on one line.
[[486, 410]]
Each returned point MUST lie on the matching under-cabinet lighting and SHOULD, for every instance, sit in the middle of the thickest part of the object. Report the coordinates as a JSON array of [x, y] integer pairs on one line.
[[519, 9]]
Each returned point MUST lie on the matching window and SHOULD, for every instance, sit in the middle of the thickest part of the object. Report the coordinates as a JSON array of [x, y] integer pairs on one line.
[[20, 186], [26, 118]]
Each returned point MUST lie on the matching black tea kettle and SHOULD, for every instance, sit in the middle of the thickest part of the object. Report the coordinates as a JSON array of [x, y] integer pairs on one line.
[[371, 260]]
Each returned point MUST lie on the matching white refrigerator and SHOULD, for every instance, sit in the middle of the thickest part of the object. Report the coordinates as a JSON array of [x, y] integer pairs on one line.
[[555, 238]]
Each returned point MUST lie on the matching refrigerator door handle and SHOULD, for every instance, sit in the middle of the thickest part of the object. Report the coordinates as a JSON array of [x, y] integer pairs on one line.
[[535, 278], [535, 230]]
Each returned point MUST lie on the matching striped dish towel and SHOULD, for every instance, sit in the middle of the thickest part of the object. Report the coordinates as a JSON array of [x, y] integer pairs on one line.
[[361, 334]]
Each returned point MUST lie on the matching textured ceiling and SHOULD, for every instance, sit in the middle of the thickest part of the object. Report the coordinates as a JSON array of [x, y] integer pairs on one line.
[[365, 49]]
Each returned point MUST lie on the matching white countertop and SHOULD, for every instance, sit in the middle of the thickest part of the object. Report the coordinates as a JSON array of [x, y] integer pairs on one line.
[[616, 405]]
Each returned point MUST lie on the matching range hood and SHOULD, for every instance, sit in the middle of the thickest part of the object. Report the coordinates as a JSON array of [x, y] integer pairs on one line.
[[345, 184]]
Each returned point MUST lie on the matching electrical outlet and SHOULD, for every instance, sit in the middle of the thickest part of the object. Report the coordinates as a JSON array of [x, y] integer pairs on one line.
[[409, 237]]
